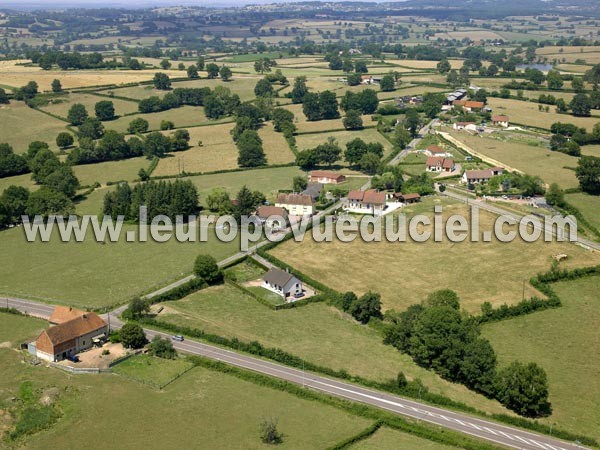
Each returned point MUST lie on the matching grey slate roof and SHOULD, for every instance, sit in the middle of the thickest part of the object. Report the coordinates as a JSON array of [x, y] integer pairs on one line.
[[278, 277]]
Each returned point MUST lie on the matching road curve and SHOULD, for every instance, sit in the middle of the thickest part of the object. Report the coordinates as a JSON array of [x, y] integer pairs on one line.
[[462, 423]]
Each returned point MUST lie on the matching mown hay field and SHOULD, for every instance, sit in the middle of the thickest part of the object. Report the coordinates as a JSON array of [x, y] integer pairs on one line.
[[407, 272]]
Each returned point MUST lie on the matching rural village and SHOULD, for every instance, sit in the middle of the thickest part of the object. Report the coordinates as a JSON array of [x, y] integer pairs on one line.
[[284, 113]]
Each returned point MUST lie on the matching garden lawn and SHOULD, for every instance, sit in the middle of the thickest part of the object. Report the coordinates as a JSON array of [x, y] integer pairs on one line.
[[195, 411], [565, 342], [406, 272], [152, 370], [316, 332]]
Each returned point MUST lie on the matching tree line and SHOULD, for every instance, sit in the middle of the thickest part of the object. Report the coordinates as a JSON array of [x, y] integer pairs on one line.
[[438, 336], [169, 198]]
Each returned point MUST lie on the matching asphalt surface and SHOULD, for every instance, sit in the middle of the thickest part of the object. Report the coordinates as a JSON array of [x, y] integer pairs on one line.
[[545, 228], [489, 431]]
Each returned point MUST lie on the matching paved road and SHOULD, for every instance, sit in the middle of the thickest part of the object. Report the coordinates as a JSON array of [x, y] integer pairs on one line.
[[504, 212], [490, 431], [412, 144]]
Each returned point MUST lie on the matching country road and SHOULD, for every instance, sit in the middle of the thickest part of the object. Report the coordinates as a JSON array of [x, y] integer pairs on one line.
[[493, 432], [504, 212]]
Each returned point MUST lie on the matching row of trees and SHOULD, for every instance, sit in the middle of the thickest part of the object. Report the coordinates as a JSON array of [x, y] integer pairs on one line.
[[113, 146], [438, 336], [169, 198], [58, 186]]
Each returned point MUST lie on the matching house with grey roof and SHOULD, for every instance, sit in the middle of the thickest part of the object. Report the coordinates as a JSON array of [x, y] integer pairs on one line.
[[283, 283]]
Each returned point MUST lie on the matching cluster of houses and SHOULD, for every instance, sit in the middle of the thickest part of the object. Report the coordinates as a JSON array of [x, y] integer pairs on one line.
[[277, 217], [73, 331], [401, 102]]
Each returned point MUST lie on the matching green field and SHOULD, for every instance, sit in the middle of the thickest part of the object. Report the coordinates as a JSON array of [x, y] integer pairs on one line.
[[152, 370], [15, 328], [319, 333], [194, 411], [185, 116], [22, 125], [406, 272], [123, 170], [94, 274], [534, 160], [388, 439], [268, 181], [305, 141], [89, 101], [20, 180], [526, 113], [219, 152], [243, 86], [565, 343], [589, 205]]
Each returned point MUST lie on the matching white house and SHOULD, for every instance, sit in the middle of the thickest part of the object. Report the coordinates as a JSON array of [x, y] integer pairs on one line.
[[366, 202], [501, 121], [296, 204], [436, 150], [282, 283], [439, 164]]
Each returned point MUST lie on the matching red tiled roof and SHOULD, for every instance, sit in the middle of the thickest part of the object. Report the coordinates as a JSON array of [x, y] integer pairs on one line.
[[265, 211], [74, 328], [374, 196], [326, 174], [356, 195], [499, 118], [436, 149], [448, 163], [63, 314], [434, 161], [472, 104]]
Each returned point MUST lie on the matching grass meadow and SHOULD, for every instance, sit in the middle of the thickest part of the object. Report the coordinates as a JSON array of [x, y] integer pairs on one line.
[[406, 272], [89, 101], [123, 170], [96, 274], [526, 113], [195, 408], [589, 205], [389, 439], [306, 141], [534, 160], [219, 152], [563, 341], [27, 125], [333, 338], [185, 116]]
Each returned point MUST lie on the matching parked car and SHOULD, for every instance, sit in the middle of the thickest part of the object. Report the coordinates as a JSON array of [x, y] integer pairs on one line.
[[299, 295], [73, 358], [177, 337]]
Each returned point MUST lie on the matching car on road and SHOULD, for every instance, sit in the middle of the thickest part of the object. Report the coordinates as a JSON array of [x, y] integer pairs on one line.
[[177, 337]]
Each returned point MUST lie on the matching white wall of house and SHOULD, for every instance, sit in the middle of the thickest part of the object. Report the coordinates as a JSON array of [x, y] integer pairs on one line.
[[297, 210]]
